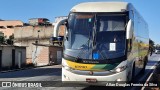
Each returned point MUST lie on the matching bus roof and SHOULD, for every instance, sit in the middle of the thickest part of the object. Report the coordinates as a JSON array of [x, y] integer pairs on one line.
[[100, 7]]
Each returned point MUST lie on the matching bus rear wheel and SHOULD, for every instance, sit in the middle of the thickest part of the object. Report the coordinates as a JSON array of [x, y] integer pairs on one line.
[[133, 73], [144, 66]]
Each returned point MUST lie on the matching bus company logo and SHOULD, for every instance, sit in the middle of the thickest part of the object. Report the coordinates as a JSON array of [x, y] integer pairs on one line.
[[6, 84]]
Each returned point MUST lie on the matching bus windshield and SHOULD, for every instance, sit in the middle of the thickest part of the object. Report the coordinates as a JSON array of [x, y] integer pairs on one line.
[[95, 36]]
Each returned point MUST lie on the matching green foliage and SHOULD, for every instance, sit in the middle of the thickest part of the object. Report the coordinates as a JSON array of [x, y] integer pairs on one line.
[[1, 39], [4, 41], [10, 40], [151, 42]]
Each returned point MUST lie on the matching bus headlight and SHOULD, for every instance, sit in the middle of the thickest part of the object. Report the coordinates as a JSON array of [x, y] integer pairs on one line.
[[119, 69], [66, 67]]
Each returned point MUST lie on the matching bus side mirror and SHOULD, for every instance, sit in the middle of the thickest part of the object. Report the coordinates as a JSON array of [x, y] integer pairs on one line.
[[66, 29], [129, 31]]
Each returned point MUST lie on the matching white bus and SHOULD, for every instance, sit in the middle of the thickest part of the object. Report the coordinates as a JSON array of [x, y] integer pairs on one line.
[[104, 41]]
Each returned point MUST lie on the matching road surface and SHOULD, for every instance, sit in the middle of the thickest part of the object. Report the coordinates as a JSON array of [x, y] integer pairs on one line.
[[53, 73]]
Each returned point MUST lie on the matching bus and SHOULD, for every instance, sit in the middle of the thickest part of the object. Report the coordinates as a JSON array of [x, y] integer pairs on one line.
[[104, 41]]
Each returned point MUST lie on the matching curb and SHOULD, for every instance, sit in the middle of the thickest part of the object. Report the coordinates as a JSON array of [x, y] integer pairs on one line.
[[25, 68], [16, 70]]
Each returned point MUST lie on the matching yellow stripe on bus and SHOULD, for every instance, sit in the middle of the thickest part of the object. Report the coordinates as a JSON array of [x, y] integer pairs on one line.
[[80, 66]]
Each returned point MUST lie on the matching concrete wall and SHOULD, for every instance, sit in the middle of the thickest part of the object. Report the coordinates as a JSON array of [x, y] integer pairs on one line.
[[40, 55], [20, 51], [31, 32], [7, 56], [30, 48], [27, 35], [61, 30], [46, 55], [9, 31], [56, 54]]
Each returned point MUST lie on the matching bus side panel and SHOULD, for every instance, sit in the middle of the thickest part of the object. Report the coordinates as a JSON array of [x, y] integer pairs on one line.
[[139, 42], [132, 43], [142, 41]]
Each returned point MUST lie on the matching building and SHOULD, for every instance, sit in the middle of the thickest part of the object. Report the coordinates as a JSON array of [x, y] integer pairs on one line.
[[7, 26], [37, 39], [37, 42], [47, 55], [39, 21], [12, 57], [27, 35]]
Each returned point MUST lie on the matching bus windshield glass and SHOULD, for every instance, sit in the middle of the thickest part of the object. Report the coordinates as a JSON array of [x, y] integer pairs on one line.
[[95, 36]]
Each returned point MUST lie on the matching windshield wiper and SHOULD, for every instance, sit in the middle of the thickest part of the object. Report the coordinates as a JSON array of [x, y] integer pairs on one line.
[[88, 41], [94, 31]]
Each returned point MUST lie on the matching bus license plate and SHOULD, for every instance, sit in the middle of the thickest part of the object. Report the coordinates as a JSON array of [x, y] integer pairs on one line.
[[91, 80]]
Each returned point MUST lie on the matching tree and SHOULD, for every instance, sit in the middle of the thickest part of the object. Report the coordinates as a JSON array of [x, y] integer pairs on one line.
[[151, 46], [10, 40], [5, 41], [151, 43], [1, 39]]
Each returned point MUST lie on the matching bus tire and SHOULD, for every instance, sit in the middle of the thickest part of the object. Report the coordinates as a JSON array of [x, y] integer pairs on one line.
[[133, 73], [144, 66]]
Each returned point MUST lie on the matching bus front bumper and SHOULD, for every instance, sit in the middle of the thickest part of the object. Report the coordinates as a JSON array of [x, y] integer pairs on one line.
[[69, 76]]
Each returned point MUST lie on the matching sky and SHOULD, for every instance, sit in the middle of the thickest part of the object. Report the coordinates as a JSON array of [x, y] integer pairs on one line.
[[25, 9]]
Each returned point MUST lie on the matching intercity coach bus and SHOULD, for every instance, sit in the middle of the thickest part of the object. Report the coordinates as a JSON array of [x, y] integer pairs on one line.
[[104, 41]]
